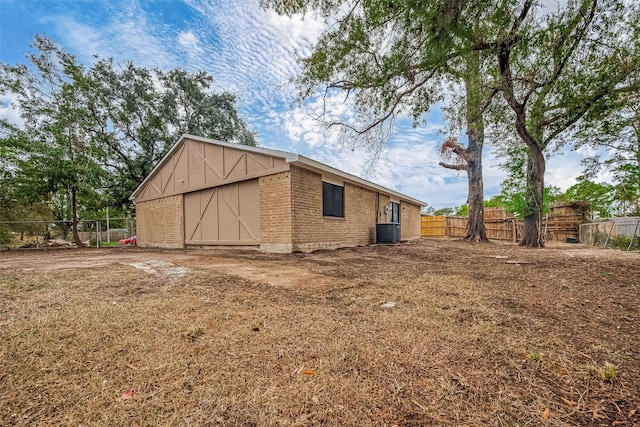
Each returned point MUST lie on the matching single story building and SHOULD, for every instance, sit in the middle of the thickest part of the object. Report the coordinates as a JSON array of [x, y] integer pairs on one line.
[[211, 193]]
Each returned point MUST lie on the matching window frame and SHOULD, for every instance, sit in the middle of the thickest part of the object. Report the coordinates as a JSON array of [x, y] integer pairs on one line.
[[330, 197], [395, 212]]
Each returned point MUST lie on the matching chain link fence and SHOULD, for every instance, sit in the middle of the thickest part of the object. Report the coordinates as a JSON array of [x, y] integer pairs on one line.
[[46, 234], [622, 233]]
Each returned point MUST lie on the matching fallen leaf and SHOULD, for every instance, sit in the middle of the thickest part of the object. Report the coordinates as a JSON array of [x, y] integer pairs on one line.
[[632, 412], [128, 394], [569, 402], [618, 423], [308, 372], [545, 415]]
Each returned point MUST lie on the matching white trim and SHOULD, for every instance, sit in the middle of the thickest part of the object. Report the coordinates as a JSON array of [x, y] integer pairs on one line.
[[292, 158], [288, 157], [308, 163], [331, 179]]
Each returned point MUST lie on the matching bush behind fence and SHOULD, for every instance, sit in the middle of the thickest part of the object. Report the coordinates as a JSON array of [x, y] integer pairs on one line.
[[623, 233]]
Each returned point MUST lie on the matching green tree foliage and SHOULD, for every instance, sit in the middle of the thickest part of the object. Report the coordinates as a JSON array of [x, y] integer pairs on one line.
[[553, 67], [627, 189], [391, 59], [556, 72], [54, 154], [512, 198], [462, 210], [443, 212], [618, 133], [601, 197], [90, 135], [137, 114], [427, 210]]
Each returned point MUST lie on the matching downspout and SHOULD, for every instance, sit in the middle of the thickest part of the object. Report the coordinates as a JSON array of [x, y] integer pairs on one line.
[[375, 227]]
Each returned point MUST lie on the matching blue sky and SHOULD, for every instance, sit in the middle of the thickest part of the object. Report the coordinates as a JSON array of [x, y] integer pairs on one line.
[[251, 53]]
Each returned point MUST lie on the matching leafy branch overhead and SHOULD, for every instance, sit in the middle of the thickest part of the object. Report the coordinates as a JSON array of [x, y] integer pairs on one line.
[[556, 70]]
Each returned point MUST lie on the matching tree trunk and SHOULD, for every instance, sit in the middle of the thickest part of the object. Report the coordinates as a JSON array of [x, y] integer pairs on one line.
[[533, 234], [475, 225], [534, 193], [638, 166], [74, 208], [475, 140]]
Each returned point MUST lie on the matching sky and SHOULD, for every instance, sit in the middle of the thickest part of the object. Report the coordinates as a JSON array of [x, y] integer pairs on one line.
[[251, 53]]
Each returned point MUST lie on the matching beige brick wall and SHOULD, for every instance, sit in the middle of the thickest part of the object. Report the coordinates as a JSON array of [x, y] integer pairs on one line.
[[159, 223], [313, 231], [409, 221], [275, 213], [384, 215]]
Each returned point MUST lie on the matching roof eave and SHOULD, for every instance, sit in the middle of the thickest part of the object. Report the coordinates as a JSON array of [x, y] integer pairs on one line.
[[287, 156], [292, 158], [310, 163]]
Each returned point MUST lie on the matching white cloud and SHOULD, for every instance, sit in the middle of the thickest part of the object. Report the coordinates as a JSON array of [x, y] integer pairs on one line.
[[190, 43], [253, 53], [125, 34], [76, 36], [8, 111]]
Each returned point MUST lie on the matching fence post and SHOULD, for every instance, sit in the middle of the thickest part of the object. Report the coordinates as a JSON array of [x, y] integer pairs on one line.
[[108, 227], [635, 230], [606, 242]]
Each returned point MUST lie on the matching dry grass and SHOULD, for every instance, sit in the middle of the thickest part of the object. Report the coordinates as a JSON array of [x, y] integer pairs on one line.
[[295, 340]]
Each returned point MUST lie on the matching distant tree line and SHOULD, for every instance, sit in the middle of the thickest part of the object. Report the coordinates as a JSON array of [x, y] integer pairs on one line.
[[89, 135]]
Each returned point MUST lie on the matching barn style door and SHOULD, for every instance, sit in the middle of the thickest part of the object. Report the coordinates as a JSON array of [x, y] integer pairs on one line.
[[224, 215]]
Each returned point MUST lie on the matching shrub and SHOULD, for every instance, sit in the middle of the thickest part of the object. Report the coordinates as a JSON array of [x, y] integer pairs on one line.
[[622, 242], [5, 235]]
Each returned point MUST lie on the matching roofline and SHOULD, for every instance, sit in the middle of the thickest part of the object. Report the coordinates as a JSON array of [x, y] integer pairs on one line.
[[305, 161], [289, 157], [292, 158]]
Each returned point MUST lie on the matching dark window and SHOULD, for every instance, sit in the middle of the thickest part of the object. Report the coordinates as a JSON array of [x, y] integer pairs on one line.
[[332, 200], [395, 212]]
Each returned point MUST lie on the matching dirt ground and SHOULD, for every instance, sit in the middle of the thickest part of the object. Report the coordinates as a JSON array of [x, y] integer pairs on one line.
[[434, 332]]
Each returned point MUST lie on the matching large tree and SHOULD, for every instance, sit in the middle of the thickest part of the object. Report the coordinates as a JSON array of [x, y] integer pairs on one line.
[[618, 133], [555, 71], [95, 132], [391, 59], [55, 156], [477, 98], [136, 115], [553, 67]]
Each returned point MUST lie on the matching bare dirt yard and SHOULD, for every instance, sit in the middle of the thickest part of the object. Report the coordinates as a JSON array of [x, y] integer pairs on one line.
[[480, 335]]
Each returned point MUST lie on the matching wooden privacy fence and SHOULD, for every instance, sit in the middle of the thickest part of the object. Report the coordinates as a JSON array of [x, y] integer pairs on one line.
[[433, 226], [561, 224]]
